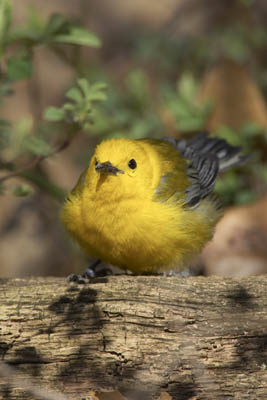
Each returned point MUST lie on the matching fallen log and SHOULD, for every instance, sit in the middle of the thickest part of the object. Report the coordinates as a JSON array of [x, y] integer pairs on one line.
[[142, 336]]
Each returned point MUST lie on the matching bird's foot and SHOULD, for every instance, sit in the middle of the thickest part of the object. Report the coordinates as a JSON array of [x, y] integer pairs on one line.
[[93, 271]]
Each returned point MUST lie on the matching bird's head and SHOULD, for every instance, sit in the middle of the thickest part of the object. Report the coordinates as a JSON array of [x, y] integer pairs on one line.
[[122, 166]]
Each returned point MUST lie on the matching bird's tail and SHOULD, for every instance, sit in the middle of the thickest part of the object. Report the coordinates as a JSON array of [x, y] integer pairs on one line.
[[227, 155]]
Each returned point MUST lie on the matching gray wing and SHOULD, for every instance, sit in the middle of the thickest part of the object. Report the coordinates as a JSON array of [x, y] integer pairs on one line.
[[207, 157]]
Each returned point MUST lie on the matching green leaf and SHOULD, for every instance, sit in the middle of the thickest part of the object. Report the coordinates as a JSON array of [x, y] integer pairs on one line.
[[191, 124], [187, 87], [138, 85], [24, 126], [54, 114], [36, 145], [97, 86], [19, 66], [55, 24], [36, 20], [84, 85], [96, 92], [92, 92], [98, 96], [22, 190], [24, 33], [80, 36], [41, 181], [32, 31], [74, 94], [80, 110]]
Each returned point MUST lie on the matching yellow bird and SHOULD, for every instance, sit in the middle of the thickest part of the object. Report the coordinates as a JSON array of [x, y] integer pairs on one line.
[[145, 205]]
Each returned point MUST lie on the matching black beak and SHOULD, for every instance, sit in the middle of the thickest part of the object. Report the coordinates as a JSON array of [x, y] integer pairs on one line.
[[107, 168]]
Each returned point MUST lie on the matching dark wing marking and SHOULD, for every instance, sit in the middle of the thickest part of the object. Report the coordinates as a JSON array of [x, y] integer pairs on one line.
[[207, 157], [202, 173]]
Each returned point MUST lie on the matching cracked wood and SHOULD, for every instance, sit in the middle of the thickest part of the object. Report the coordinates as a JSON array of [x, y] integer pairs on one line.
[[194, 338]]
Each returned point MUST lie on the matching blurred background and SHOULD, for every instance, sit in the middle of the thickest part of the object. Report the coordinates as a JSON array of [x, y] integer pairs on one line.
[[73, 73]]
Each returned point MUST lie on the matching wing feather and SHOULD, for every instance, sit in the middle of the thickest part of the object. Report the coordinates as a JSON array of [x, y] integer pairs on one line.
[[207, 157]]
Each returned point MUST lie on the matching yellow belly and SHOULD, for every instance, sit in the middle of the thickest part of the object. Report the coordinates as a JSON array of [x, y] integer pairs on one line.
[[137, 235]]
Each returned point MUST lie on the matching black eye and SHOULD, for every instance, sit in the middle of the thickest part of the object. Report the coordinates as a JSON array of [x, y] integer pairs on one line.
[[132, 164]]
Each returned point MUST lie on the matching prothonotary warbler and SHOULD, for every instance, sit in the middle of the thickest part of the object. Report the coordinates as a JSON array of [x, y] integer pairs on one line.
[[145, 205]]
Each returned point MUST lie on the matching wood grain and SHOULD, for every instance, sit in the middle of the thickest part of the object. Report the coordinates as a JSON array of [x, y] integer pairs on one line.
[[193, 338]]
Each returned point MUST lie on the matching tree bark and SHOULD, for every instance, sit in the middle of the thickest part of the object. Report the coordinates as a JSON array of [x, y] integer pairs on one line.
[[193, 338]]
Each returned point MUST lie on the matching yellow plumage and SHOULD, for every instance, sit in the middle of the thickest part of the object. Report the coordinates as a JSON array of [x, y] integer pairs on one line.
[[130, 207]]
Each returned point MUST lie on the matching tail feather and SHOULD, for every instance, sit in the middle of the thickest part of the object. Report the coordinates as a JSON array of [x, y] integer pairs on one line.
[[227, 155]]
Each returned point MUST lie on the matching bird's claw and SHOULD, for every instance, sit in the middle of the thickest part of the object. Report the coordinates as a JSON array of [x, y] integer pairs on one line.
[[77, 278], [89, 274]]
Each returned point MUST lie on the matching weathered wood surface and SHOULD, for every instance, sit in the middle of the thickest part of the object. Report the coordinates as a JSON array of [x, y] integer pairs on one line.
[[194, 338]]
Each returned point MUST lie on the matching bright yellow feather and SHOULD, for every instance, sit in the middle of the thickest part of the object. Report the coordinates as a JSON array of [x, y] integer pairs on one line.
[[134, 219]]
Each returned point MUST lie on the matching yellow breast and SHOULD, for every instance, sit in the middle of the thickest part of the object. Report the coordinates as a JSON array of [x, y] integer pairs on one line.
[[139, 235]]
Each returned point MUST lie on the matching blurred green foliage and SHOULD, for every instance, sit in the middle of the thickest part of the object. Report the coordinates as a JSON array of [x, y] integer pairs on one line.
[[27, 143], [189, 115], [79, 110], [146, 100], [130, 109], [246, 183]]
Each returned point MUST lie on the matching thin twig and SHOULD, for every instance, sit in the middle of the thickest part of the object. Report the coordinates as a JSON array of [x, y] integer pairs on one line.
[[31, 164]]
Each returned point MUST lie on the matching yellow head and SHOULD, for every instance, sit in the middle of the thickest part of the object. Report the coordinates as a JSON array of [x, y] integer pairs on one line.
[[123, 166]]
